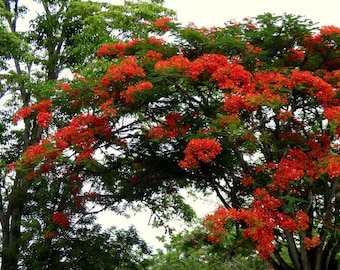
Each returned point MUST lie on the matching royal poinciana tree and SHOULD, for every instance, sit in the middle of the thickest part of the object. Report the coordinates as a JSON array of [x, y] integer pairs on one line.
[[249, 111], [40, 41]]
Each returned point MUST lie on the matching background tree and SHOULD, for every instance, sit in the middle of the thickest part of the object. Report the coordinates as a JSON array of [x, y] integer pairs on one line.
[[62, 37], [193, 250], [89, 248], [249, 111]]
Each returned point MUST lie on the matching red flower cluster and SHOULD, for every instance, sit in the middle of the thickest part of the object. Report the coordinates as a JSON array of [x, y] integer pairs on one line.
[[315, 86], [302, 220], [291, 168], [128, 95], [253, 49], [208, 63], [41, 151], [44, 119], [178, 62], [247, 180], [80, 200], [82, 133], [329, 30], [64, 86], [151, 55], [50, 234], [312, 42], [312, 242], [118, 50], [204, 150], [296, 55], [108, 108], [44, 115], [229, 119], [127, 69], [162, 23], [284, 115], [115, 50], [172, 127], [332, 166], [262, 219], [332, 114], [62, 219], [216, 224]]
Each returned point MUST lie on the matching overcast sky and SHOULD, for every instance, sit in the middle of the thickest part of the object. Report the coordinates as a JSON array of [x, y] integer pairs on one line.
[[216, 12]]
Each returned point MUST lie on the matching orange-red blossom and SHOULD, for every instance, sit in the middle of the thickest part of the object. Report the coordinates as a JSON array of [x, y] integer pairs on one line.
[[262, 219]]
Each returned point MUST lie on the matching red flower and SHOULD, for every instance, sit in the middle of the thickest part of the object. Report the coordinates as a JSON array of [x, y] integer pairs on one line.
[[12, 166], [172, 127], [216, 224], [262, 220], [178, 62], [31, 175], [139, 87], [151, 56], [127, 69], [204, 150], [209, 63], [162, 23], [115, 50], [61, 219], [315, 86], [292, 168], [22, 114], [65, 86], [108, 107], [253, 49], [302, 220], [156, 133], [329, 30], [43, 106], [333, 166], [295, 55], [247, 180], [44, 119], [50, 234], [312, 242]]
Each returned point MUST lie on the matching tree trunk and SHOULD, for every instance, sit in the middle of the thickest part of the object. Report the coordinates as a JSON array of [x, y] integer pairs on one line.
[[11, 234]]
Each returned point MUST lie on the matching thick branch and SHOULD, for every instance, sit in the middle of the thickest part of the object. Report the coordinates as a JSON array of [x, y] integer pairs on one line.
[[293, 252], [281, 265], [219, 195]]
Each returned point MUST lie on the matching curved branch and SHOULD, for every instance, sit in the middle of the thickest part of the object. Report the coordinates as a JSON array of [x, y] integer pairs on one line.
[[219, 195]]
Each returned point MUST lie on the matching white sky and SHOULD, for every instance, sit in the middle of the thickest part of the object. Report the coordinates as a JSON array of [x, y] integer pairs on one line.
[[216, 12]]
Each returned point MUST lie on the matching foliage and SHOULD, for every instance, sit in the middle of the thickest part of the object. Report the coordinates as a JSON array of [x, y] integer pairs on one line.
[[85, 248], [193, 250]]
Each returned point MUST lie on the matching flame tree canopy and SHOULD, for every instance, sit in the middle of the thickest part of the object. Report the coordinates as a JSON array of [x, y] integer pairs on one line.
[[250, 111]]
